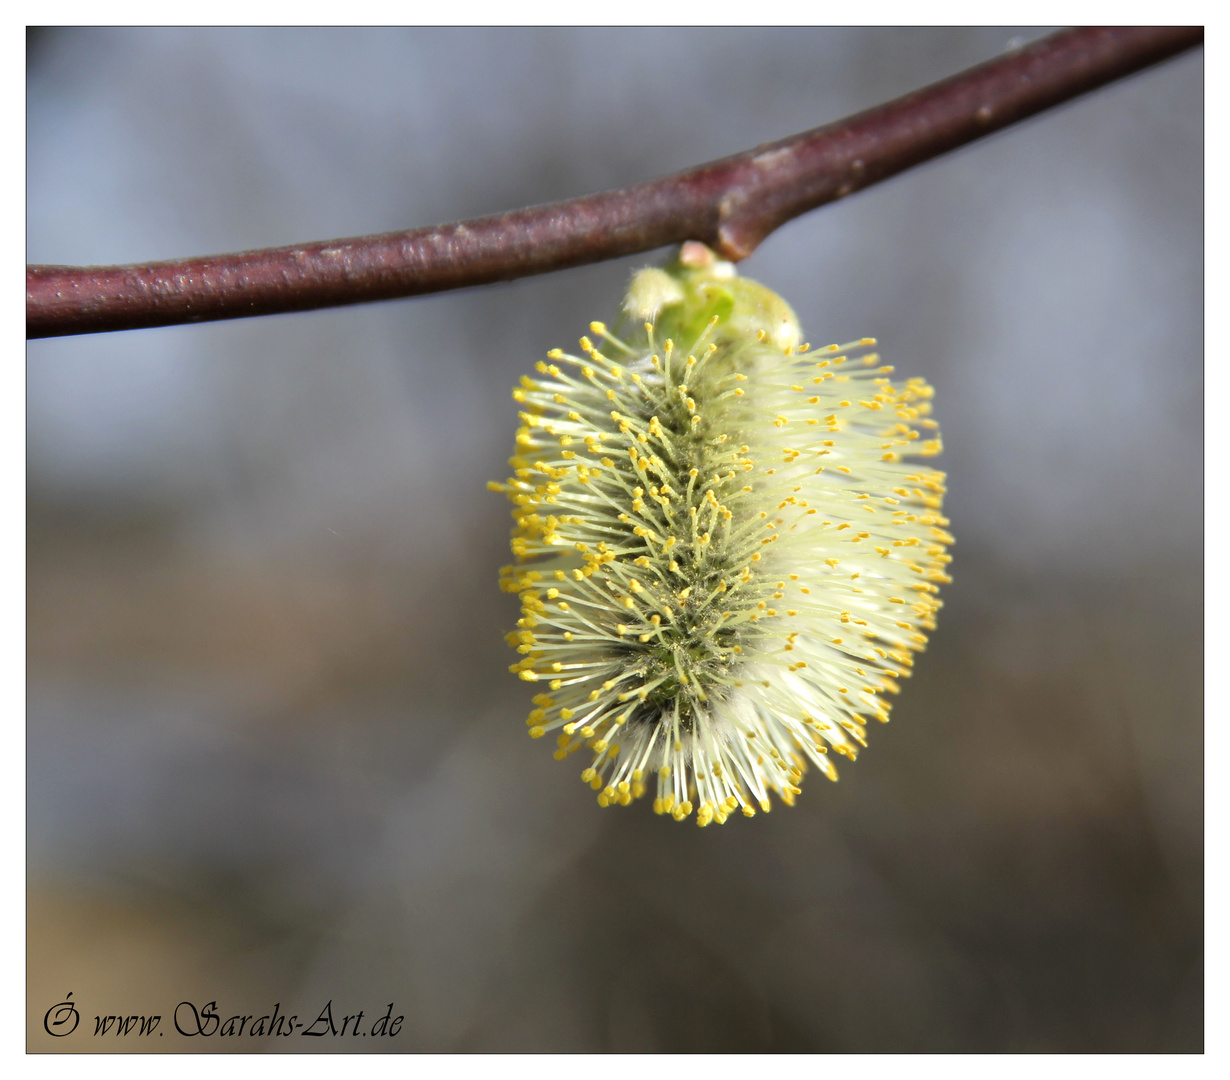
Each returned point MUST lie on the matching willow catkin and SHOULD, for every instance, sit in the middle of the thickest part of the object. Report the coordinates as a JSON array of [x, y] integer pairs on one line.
[[726, 554]]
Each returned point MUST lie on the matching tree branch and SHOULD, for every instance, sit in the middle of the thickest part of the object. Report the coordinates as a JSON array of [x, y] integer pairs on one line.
[[731, 204]]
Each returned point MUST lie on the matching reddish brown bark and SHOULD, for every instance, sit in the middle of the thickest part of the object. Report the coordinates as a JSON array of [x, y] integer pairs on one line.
[[732, 204]]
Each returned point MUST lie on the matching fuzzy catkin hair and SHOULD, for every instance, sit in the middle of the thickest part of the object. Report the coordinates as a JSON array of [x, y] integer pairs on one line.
[[725, 553]]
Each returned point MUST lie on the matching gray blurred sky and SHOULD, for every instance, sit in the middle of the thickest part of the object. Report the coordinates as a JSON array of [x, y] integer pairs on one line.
[[1051, 274], [288, 613]]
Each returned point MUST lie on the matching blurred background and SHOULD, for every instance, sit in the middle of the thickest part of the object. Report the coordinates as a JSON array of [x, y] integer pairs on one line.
[[274, 751]]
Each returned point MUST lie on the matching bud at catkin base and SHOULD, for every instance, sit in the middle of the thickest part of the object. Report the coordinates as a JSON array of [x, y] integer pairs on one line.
[[724, 553]]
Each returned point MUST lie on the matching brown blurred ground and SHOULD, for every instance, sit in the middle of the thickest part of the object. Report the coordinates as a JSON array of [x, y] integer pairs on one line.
[[998, 872]]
